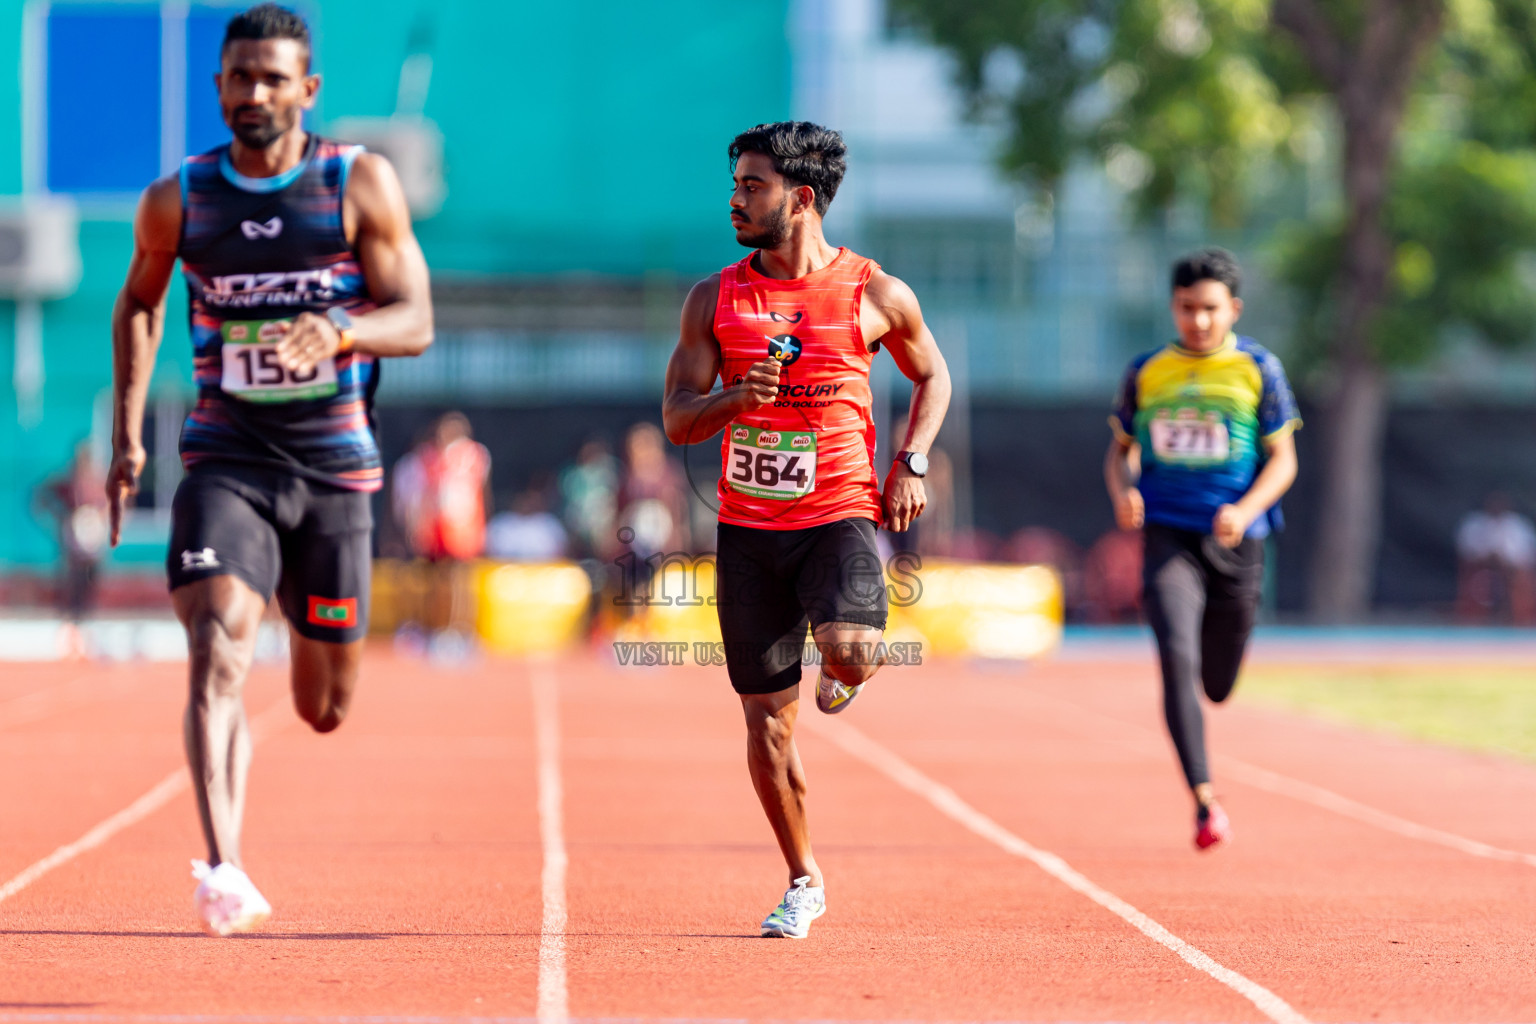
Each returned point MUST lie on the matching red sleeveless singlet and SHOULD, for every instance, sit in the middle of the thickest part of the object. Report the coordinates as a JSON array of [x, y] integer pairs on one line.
[[808, 458]]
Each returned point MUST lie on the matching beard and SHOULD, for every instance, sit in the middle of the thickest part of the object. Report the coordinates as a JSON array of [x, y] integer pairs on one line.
[[261, 134], [770, 234]]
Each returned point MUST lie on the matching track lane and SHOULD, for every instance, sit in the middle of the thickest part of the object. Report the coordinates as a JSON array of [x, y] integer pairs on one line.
[[400, 854], [403, 857], [672, 867], [1343, 920]]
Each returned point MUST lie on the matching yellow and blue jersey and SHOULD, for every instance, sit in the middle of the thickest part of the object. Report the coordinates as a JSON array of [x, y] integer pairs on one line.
[[1202, 420]]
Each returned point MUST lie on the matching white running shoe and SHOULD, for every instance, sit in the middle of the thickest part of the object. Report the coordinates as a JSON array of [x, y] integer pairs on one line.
[[833, 696], [802, 904], [226, 900]]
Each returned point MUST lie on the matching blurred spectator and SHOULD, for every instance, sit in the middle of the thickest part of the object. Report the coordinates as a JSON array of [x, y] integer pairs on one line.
[[526, 531], [76, 500], [652, 499], [587, 492], [440, 496], [1112, 578], [975, 545], [443, 489], [1496, 557], [1039, 545]]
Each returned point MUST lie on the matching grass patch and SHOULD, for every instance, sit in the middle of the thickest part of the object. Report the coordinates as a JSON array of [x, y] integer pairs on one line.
[[1489, 708]]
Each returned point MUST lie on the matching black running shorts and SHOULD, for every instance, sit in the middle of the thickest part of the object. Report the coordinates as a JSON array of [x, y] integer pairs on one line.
[[310, 543], [772, 584]]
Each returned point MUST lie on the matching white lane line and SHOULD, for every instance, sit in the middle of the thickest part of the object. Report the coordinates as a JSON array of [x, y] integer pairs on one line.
[[263, 725], [1317, 796], [554, 1000], [949, 803], [1284, 785]]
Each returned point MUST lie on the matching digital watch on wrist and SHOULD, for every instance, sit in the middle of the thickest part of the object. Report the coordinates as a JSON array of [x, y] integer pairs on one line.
[[342, 321], [917, 462]]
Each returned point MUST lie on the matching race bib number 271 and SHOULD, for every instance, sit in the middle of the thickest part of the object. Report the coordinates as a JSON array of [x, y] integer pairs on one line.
[[779, 464], [1191, 437]]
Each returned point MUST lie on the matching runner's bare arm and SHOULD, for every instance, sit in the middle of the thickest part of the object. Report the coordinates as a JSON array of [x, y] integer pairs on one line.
[[891, 305], [138, 324], [1119, 480], [1231, 522], [688, 411], [377, 221]]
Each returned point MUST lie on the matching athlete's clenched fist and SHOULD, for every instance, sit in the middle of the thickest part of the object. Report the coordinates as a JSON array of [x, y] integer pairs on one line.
[[1130, 510], [307, 340], [761, 385], [904, 497]]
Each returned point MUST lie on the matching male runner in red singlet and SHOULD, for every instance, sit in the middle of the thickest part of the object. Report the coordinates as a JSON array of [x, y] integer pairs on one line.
[[791, 331], [301, 272]]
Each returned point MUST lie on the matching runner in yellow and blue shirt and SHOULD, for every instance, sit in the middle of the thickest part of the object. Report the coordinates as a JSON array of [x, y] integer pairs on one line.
[[1208, 420]]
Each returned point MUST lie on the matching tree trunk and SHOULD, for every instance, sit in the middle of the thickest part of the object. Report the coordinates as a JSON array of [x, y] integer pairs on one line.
[[1344, 561], [1373, 90], [1349, 525]]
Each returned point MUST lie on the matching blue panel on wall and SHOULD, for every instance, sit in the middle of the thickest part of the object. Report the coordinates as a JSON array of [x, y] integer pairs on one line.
[[103, 98], [205, 33]]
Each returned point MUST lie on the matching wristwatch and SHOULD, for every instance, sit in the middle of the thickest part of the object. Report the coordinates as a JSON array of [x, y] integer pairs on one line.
[[917, 462], [342, 321]]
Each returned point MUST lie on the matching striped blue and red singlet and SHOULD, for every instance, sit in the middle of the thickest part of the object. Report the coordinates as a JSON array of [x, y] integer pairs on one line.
[[256, 252]]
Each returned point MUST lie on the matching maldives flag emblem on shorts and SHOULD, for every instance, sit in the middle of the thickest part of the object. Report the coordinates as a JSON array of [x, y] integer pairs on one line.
[[333, 611]]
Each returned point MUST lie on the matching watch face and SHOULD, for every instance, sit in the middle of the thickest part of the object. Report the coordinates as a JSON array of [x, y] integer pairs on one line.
[[340, 318], [917, 462]]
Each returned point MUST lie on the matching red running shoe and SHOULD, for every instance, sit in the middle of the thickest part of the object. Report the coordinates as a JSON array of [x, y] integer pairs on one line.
[[1212, 827]]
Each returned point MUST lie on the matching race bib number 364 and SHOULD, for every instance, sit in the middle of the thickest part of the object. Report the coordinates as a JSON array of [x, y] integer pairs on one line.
[[778, 464], [1191, 437], [252, 371]]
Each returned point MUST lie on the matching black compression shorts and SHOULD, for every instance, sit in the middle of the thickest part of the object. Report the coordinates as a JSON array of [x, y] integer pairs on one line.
[[309, 543], [773, 583]]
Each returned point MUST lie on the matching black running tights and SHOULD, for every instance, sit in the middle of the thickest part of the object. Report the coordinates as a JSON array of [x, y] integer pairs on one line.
[[1200, 599]]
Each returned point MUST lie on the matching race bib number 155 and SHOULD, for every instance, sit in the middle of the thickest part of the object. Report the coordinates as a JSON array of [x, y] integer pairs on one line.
[[252, 371], [778, 464]]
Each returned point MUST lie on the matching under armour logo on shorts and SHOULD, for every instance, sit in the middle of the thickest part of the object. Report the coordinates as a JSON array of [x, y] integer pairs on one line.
[[204, 559]]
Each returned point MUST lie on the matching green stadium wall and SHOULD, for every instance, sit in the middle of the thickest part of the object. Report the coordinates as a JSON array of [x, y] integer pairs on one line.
[[580, 139]]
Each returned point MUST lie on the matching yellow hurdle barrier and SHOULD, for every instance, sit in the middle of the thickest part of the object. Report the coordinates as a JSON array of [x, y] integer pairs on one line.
[[531, 608], [953, 609]]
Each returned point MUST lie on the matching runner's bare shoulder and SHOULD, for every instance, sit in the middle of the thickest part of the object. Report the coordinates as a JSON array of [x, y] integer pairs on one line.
[[699, 307], [157, 224], [374, 199]]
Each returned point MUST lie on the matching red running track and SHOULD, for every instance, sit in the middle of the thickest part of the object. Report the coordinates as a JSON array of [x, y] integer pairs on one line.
[[403, 856]]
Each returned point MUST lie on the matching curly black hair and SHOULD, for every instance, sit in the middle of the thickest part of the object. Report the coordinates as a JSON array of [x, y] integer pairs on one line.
[[804, 153]]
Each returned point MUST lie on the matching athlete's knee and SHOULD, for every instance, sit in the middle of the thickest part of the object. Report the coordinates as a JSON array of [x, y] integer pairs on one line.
[[1219, 687], [220, 654], [851, 671], [769, 736], [851, 655], [322, 711], [324, 720], [323, 704], [324, 677]]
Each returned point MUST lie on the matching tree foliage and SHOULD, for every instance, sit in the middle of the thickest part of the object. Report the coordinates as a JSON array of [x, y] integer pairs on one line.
[[1176, 97], [1427, 108], [1211, 100]]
